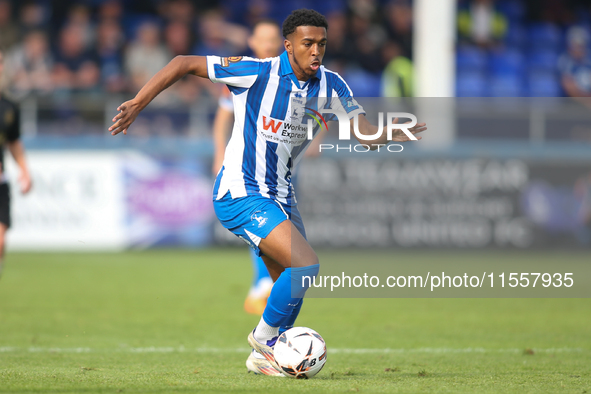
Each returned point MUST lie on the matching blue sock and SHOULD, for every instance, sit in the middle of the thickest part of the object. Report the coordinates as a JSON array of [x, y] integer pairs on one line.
[[259, 268], [285, 297], [290, 321]]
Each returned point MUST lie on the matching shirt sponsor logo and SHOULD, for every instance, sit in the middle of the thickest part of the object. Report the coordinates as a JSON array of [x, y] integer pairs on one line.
[[274, 130]]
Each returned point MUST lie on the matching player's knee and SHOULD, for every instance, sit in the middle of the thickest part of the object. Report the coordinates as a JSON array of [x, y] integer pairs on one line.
[[302, 278], [305, 260]]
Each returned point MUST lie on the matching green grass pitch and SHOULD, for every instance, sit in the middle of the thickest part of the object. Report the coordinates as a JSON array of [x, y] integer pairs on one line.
[[172, 321]]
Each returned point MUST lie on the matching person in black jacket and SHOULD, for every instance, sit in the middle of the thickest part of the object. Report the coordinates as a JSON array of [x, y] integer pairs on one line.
[[10, 137]]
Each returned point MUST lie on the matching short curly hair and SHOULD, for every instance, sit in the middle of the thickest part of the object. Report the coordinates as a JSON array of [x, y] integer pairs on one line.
[[303, 17]]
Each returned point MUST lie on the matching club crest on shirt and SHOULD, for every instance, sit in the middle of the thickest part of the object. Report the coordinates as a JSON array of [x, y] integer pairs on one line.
[[232, 59]]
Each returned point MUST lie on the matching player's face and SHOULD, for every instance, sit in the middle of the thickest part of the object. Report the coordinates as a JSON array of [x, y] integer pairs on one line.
[[265, 40], [307, 45]]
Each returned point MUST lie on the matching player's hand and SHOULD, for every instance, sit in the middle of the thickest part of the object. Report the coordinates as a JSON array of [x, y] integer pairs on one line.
[[128, 111], [25, 182], [399, 136]]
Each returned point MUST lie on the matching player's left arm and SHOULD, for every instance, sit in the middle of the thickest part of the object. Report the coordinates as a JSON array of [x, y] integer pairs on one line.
[[366, 128]]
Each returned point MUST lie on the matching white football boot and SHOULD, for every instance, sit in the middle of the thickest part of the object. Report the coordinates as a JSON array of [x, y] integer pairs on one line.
[[258, 364], [264, 350]]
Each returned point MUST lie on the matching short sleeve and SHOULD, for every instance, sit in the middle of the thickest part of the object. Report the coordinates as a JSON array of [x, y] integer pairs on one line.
[[339, 89], [237, 71], [14, 125]]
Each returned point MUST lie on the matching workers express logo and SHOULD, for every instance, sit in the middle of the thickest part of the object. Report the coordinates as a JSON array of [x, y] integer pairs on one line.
[[273, 124], [280, 131]]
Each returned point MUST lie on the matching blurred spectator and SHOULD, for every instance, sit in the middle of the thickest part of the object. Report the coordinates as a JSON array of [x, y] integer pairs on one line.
[[338, 51], [177, 11], [256, 10], [146, 55], [553, 11], [177, 36], [109, 50], [399, 17], [397, 78], [575, 65], [110, 9], [29, 65], [32, 16], [79, 15], [368, 40], [480, 23], [219, 37], [9, 33], [75, 68]]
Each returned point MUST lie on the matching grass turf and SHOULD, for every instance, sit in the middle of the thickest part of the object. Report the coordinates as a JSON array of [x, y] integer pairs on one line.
[[172, 321]]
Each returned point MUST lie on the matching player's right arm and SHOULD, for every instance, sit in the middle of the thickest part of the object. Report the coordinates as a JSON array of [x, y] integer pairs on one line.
[[172, 72]]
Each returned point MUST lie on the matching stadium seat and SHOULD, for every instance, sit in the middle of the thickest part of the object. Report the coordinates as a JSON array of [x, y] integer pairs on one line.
[[543, 60], [506, 62], [471, 84], [543, 84], [516, 36], [544, 36], [470, 58], [363, 83], [506, 86], [513, 10]]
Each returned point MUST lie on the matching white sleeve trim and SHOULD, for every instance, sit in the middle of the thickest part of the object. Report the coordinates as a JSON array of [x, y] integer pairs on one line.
[[211, 60], [242, 81]]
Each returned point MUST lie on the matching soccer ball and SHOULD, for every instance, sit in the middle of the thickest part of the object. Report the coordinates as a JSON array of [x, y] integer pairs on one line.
[[300, 352]]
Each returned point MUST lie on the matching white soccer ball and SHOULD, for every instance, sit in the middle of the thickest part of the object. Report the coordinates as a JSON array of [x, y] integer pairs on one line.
[[300, 352]]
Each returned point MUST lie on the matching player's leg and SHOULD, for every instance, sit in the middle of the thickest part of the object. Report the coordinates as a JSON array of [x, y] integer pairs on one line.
[[275, 269], [286, 246], [296, 219], [261, 286], [264, 224]]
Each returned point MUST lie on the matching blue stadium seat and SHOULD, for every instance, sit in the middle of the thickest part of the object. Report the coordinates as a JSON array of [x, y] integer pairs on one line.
[[516, 36], [544, 36], [363, 83], [506, 62], [471, 84], [470, 58], [543, 60], [543, 84], [506, 86], [512, 9]]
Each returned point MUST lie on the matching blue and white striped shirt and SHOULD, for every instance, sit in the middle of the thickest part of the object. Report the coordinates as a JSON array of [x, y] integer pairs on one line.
[[265, 146]]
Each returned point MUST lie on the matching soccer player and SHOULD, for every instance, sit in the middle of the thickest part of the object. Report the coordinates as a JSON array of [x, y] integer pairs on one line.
[[253, 195], [264, 42], [9, 137]]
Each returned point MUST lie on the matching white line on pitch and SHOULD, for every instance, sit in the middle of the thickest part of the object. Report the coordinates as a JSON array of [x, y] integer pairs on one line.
[[212, 350]]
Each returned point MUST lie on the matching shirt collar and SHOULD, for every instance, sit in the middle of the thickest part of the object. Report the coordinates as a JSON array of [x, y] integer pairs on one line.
[[285, 68]]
